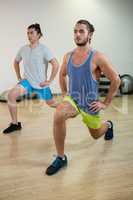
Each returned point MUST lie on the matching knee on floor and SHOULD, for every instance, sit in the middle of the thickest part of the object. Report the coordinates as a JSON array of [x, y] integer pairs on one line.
[[94, 133]]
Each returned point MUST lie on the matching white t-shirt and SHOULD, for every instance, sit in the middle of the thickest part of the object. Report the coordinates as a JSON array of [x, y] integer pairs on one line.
[[35, 61]]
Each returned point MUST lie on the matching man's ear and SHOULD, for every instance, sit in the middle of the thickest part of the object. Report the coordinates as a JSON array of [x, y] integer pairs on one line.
[[91, 34]]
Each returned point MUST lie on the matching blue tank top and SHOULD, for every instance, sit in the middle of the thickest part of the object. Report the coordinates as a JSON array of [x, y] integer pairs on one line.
[[82, 87]]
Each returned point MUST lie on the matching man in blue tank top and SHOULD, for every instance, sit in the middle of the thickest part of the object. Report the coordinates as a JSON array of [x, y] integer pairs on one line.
[[83, 66]]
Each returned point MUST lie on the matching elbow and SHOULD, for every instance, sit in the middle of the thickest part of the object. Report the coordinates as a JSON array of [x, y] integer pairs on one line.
[[117, 81]]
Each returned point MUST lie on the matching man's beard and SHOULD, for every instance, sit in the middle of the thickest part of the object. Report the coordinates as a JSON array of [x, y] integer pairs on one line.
[[83, 43]]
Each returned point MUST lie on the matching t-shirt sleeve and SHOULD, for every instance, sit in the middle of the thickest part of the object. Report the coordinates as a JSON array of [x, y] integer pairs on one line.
[[18, 57], [48, 55]]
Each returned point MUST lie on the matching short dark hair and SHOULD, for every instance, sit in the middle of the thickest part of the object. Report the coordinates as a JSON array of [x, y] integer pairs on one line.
[[37, 27], [89, 26]]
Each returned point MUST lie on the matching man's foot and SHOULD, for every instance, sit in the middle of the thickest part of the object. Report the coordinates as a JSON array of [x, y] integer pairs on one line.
[[12, 127], [109, 134], [57, 164]]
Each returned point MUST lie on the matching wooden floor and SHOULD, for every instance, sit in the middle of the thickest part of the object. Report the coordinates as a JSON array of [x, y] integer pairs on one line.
[[97, 170]]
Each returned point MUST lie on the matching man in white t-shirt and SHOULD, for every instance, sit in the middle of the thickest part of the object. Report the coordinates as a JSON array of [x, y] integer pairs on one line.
[[35, 57]]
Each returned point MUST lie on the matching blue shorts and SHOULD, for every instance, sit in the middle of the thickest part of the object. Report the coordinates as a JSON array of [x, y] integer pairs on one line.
[[44, 93]]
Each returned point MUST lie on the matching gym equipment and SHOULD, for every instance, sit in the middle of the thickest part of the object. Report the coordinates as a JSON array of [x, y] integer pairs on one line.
[[126, 86], [104, 84]]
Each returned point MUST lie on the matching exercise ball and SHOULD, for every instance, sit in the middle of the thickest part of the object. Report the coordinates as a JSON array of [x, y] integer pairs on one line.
[[126, 86]]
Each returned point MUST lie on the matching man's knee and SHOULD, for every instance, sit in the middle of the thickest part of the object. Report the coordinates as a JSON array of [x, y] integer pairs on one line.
[[94, 133], [11, 95], [52, 103], [59, 116], [64, 112]]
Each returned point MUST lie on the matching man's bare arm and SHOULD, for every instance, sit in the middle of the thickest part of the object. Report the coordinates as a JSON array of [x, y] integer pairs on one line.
[[62, 76], [55, 67], [108, 70], [17, 69]]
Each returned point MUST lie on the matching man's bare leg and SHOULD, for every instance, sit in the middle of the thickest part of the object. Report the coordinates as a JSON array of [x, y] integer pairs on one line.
[[97, 133], [63, 112], [12, 104], [54, 102]]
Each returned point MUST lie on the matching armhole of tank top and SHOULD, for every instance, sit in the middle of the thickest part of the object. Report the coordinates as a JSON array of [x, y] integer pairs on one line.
[[68, 59], [68, 56], [93, 54]]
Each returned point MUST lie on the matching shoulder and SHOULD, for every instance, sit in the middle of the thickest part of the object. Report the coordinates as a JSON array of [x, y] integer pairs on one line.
[[99, 57], [67, 56], [99, 54], [43, 47], [24, 47]]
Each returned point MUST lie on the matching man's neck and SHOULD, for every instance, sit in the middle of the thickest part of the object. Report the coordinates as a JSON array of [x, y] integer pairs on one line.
[[83, 49], [34, 45]]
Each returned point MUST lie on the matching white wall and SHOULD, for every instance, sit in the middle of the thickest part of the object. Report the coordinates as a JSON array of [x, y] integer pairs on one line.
[[112, 20]]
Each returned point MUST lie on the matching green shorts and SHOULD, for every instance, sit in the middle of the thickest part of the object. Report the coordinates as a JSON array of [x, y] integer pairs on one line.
[[92, 121]]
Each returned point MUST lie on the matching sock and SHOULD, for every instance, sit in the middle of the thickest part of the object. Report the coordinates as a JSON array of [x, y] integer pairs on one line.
[[15, 123], [109, 124], [62, 157]]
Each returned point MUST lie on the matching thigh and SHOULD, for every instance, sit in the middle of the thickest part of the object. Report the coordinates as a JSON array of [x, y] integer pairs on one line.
[[94, 131], [93, 122], [67, 110], [25, 84], [44, 94]]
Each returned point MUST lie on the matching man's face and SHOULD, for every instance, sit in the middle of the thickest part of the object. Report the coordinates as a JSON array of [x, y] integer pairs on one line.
[[32, 34], [81, 35]]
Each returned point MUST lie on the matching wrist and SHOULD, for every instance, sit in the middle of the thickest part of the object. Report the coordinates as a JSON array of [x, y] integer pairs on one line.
[[64, 93], [106, 103], [49, 81], [19, 79]]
